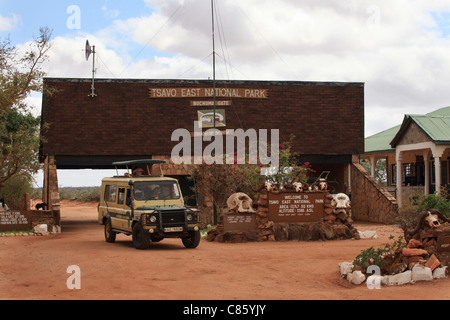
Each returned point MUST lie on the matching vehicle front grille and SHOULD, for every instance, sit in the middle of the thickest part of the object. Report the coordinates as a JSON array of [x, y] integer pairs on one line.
[[173, 217]]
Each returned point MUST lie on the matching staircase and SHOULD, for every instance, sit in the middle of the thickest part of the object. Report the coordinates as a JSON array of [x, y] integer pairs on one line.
[[371, 201]]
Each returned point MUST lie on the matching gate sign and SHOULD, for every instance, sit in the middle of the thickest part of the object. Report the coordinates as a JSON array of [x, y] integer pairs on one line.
[[15, 221], [296, 207]]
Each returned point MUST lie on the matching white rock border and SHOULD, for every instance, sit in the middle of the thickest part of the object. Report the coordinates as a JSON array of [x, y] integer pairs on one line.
[[418, 273]]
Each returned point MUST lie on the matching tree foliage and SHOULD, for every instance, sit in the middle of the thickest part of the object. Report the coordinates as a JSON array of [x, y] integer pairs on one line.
[[20, 74], [219, 181]]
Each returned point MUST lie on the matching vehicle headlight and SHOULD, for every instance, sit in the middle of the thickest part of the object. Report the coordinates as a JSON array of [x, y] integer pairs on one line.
[[152, 219], [189, 217]]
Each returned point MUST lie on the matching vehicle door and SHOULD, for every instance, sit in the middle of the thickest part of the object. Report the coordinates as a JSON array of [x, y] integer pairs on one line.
[[124, 208]]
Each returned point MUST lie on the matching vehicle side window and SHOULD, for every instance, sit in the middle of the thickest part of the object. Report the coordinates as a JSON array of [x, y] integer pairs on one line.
[[121, 198], [128, 198], [110, 193]]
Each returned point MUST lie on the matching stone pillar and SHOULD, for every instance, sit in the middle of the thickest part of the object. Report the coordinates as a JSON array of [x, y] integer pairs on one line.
[[50, 192], [399, 157]]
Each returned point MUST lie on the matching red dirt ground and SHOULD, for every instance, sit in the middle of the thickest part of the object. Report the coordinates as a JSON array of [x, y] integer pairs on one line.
[[36, 267]]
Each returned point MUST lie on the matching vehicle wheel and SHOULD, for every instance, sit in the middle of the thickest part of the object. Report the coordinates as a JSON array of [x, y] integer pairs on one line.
[[141, 238], [193, 240], [110, 236]]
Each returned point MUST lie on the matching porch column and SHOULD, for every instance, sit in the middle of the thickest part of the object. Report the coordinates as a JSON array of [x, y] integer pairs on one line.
[[437, 174], [438, 151], [399, 158], [426, 160], [373, 163]]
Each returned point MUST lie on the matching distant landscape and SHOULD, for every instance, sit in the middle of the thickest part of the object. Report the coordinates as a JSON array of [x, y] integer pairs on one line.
[[82, 194]]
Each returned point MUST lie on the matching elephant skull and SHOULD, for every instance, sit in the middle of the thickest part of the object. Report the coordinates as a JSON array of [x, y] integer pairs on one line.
[[240, 202]]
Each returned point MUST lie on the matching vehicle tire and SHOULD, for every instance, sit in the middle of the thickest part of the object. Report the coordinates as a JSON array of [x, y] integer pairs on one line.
[[141, 237], [110, 236], [193, 240]]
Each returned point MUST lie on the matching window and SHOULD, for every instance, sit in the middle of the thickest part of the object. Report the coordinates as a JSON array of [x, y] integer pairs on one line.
[[156, 190], [121, 198], [110, 193]]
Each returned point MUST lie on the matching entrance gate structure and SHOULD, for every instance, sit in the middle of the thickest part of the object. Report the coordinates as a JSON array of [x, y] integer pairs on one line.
[[132, 119]]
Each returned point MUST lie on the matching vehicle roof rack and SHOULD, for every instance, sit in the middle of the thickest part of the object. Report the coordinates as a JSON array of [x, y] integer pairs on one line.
[[139, 161]]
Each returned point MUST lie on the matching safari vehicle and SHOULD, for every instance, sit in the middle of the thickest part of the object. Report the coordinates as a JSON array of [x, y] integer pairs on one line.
[[149, 208]]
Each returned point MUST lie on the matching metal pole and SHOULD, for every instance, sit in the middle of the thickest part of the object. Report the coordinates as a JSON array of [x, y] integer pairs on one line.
[[93, 73], [214, 67]]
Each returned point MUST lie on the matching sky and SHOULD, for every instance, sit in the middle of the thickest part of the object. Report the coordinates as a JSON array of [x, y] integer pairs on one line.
[[400, 49]]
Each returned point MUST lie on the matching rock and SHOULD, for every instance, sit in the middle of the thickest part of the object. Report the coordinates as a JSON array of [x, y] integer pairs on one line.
[[41, 229], [439, 273], [421, 273], [374, 281], [367, 234], [358, 277], [408, 252], [398, 279], [413, 243], [345, 267], [433, 262]]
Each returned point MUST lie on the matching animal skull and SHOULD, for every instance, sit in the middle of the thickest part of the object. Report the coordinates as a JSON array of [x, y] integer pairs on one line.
[[432, 220], [240, 202], [271, 187], [298, 186], [323, 185], [340, 203]]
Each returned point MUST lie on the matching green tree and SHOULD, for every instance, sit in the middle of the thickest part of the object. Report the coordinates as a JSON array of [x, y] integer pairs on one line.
[[20, 75]]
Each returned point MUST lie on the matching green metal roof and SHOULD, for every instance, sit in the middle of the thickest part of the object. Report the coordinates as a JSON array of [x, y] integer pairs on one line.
[[436, 127], [381, 141], [435, 124]]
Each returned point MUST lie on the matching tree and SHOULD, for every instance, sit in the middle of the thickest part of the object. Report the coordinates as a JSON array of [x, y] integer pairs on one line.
[[20, 75], [219, 181]]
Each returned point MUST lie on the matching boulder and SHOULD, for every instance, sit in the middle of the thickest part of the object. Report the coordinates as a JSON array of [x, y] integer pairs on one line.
[[421, 273], [398, 279], [345, 267], [367, 234], [41, 229], [439, 273], [358, 277]]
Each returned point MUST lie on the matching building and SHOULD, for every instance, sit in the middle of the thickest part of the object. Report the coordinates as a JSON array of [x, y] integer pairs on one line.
[[131, 119], [416, 153]]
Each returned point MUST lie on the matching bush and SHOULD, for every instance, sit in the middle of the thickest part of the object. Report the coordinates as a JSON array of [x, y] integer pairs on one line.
[[381, 257], [82, 194], [433, 201], [14, 189]]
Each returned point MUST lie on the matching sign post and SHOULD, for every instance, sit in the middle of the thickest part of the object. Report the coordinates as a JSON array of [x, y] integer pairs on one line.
[[296, 207]]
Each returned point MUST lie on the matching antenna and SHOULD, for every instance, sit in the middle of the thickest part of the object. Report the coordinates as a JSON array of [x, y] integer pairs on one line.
[[88, 51]]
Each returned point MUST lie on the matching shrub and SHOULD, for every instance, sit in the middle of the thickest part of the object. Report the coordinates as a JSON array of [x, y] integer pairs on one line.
[[381, 257], [14, 189], [434, 201]]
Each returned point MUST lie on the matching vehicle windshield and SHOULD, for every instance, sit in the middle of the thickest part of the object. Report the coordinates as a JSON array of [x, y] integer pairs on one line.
[[156, 190]]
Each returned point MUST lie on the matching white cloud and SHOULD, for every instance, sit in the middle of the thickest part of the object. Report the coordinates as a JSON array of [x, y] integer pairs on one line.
[[395, 47], [9, 23]]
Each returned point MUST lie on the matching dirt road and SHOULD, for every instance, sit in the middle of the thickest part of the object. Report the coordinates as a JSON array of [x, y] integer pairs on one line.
[[36, 267]]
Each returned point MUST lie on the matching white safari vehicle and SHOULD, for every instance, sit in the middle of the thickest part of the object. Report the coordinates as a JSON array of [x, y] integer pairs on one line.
[[149, 208]]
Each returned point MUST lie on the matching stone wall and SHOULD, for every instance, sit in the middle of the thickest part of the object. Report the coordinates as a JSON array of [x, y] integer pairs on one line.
[[332, 226], [370, 201]]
